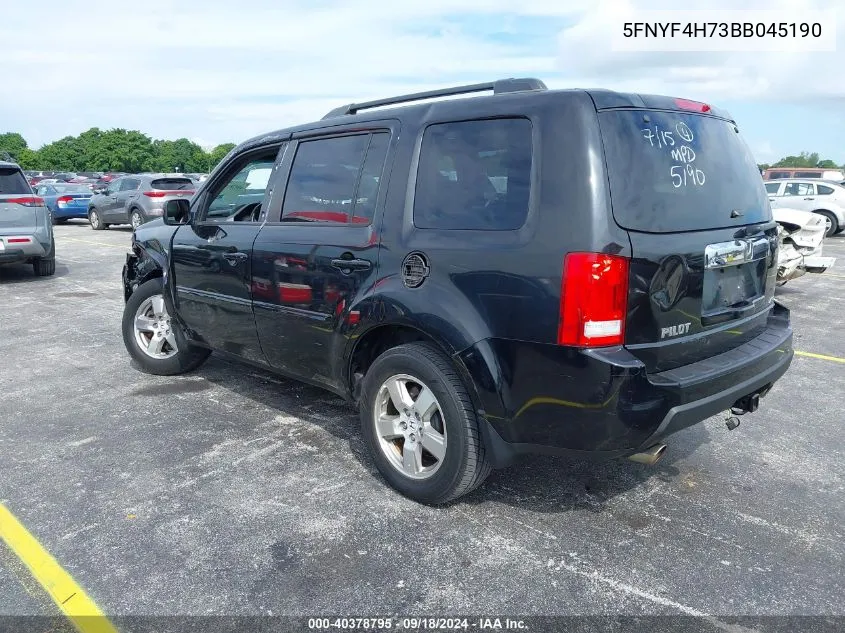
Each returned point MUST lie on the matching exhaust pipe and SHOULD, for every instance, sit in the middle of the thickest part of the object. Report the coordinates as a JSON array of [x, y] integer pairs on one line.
[[649, 456]]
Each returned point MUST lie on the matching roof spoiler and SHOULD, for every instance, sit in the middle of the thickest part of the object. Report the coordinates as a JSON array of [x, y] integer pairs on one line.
[[499, 86]]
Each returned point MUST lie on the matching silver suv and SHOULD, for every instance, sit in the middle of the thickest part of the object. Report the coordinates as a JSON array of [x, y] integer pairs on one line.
[[823, 197], [26, 229], [136, 199]]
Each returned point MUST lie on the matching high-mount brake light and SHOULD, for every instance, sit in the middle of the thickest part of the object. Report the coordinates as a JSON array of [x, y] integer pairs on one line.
[[695, 106]]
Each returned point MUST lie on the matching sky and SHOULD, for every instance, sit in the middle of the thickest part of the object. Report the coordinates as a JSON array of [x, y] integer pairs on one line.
[[217, 71]]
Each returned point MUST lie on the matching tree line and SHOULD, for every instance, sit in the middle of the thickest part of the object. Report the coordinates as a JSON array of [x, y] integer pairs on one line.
[[133, 151], [119, 150], [804, 159]]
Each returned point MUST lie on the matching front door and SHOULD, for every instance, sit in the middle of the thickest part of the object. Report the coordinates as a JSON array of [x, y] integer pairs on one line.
[[210, 257], [316, 259]]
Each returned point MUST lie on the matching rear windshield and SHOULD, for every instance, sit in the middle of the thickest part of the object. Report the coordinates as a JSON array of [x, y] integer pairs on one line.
[[13, 181], [62, 188], [173, 184], [672, 171]]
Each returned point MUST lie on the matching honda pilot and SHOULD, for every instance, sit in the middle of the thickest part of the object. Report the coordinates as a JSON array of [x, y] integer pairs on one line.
[[570, 272]]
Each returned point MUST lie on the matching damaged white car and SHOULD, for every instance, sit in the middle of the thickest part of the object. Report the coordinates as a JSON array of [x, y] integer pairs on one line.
[[801, 235]]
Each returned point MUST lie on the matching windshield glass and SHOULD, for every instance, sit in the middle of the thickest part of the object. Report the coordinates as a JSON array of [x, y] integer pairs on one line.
[[71, 188], [672, 171]]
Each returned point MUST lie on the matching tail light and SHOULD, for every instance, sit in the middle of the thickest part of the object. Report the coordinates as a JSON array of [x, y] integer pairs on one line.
[[64, 201], [27, 201], [593, 300], [162, 194]]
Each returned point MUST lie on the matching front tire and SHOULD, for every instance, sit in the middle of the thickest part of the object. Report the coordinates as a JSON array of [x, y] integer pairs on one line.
[[95, 220], [135, 219], [420, 425], [153, 339]]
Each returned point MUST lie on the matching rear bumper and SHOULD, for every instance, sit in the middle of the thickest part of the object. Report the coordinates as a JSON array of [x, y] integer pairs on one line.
[[71, 212], [11, 253], [602, 404]]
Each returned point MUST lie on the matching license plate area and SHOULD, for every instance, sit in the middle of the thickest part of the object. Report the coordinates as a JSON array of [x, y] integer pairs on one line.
[[734, 277]]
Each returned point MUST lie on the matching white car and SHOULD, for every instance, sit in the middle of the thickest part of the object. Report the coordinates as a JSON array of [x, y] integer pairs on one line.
[[801, 236], [825, 198]]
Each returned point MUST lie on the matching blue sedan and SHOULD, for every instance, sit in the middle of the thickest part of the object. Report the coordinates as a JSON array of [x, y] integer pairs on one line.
[[65, 200]]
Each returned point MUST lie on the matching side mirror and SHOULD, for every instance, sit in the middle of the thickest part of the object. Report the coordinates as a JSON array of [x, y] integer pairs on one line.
[[177, 211]]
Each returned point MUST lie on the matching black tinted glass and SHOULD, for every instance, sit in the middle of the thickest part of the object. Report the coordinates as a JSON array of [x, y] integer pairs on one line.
[[172, 184], [474, 175], [13, 181], [671, 171], [321, 187], [368, 186]]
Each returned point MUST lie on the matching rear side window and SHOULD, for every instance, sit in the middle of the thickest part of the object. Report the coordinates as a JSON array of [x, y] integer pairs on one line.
[[13, 181], [824, 190], [474, 175], [172, 184], [799, 189], [780, 174], [336, 179], [129, 184], [673, 171], [807, 174]]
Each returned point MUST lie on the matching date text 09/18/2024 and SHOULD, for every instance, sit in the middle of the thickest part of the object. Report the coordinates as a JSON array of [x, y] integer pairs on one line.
[[417, 624]]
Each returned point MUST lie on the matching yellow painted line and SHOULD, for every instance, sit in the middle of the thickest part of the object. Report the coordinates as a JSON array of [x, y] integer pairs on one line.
[[73, 239], [835, 359], [71, 599]]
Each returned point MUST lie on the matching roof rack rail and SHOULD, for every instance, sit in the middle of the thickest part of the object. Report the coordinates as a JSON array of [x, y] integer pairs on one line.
[[499, 86]]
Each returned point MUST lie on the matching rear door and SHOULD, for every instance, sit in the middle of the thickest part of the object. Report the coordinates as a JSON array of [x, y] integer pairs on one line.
[[119, 212], [316, 258], [689, 193]]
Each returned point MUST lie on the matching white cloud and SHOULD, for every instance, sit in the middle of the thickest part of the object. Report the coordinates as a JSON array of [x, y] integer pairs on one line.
[[223, 71]]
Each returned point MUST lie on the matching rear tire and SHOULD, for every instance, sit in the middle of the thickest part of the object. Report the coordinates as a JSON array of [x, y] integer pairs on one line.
[[833, 224], [423, 373], [95, 220], [166, 351], [44, 267], [135, 219]]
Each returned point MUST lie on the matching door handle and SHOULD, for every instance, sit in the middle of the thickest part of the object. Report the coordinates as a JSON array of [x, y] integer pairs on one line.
[[809, 198], [235, 258], [352, 264]]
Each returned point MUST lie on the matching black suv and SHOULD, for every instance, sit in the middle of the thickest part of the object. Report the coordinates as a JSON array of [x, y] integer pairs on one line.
[[574, 272]]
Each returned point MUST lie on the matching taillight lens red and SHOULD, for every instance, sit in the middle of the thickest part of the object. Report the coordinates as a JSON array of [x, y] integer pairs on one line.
[[593, 300], [696, 106], [64, 200], [27, 201], [162, 194]]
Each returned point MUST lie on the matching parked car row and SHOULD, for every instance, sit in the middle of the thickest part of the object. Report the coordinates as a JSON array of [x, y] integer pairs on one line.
[[825, 198], [96, 182], [125, 200]]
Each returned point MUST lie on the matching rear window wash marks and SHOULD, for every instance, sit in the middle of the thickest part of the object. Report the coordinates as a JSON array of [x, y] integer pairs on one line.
[[683, 172]]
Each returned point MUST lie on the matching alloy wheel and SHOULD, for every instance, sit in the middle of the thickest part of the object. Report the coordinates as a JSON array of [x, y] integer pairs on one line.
[[409, 426], [153, 329]]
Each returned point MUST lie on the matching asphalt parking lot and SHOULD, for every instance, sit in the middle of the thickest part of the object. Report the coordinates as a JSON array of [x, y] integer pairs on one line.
[[232, 491]]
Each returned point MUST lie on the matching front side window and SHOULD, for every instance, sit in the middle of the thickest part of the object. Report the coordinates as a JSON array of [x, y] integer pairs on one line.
[[239, 197], [772, 187], [474, 175], [336, 179]]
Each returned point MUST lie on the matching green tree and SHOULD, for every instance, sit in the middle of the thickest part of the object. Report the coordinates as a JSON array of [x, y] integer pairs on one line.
[[63, 154], [14, 144], [827, 164], [180, 155], [219, 153], [122, 150]]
